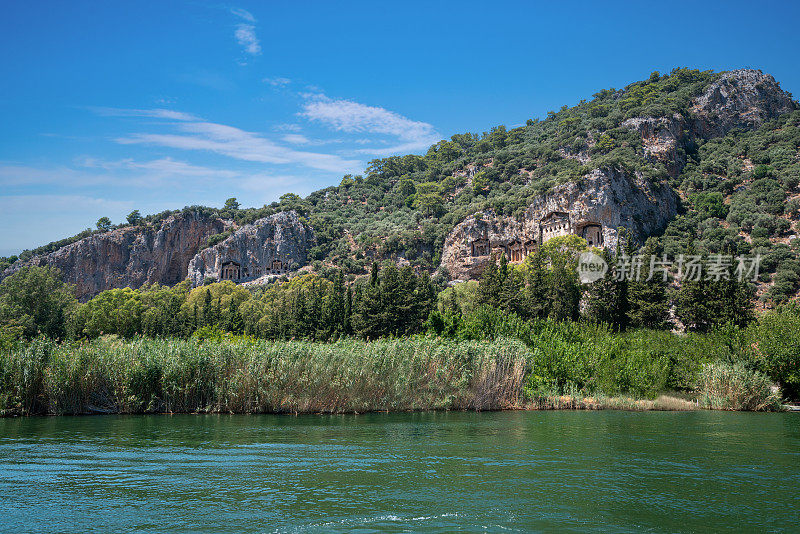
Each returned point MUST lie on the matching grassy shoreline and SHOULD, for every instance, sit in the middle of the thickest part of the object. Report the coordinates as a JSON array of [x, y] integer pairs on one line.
[[245, 375], [257, 376]]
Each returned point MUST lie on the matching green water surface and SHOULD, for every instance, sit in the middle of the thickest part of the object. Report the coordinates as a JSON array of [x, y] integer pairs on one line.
[[443, 472]]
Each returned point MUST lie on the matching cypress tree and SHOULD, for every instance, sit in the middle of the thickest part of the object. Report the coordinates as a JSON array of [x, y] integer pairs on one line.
[[491, 283], [607, 298], [648, 300], [535, 294]]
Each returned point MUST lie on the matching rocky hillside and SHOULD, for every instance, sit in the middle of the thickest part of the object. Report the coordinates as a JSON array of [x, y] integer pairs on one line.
[[613, 197], [132, 256], [594, 208], [689, 158], [269, 247]]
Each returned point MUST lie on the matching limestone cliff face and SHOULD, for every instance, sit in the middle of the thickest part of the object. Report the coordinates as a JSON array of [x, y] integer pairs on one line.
[[270, 246], [471, 244], [594, 208], [131, 256], [742, 98], [610, 199]]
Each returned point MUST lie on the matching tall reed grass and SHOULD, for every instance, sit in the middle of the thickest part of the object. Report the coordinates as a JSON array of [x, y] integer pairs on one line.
[[109, 375], [731, 386]]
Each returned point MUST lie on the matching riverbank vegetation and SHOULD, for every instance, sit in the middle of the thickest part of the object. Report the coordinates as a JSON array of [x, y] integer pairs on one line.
[[526, 335], [247, 375]]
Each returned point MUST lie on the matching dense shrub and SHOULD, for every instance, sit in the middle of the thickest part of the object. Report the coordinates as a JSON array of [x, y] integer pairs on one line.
[[35, 301], [777, 336]]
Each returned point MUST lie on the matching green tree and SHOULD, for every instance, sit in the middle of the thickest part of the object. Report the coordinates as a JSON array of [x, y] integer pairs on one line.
[[430, 204], [563, 286], [704, 304], [103, 224], [607, 298], [648, 300], [134, 218], [480, 183], [35, 300], [491, 282], [776, 335], [368, 317], [536, 305]]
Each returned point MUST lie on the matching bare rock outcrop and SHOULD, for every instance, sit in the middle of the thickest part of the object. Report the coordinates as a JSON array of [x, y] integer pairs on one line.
[[270, 246], [132, 256], [662, 137], [743, 98]]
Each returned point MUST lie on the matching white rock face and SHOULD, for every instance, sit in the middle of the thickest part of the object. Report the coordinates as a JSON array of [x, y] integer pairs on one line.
[[271, 246], [595, 208], [743, 98], [132, 256]]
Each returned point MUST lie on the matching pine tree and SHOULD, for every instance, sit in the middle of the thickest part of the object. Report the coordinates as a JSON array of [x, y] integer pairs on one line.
[[407, 302], [234, 320], [206, 315], [390, 298], [704, 304], [368, 318], [425, 296], [348, 313], [511, 296], [336, 313], [563, 291]]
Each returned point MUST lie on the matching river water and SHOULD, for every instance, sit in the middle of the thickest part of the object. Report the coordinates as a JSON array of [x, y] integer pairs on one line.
[[507, 471]]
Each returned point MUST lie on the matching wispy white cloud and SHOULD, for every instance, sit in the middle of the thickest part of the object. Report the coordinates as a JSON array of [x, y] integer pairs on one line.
[[163, 167], [296, 139], [353, 117], [287, 127], [153, 113], [239, 144], [243, 14], [278, 81], [245, 32], [246, 36], [92, 172], [165, 175]]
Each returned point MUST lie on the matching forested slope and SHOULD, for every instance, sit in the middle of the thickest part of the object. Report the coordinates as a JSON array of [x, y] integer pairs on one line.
[[726, 143]]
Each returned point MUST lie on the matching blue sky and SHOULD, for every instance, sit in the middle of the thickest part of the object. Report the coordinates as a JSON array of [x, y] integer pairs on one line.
[[112, 106]]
